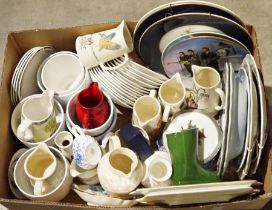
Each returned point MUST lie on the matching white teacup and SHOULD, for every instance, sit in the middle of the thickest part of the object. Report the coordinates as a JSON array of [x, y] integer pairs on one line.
[[147, 113], [158, 170], [98, 48], [64, 141], [38, 120], [172, 94], [39, 166], [206, 89]]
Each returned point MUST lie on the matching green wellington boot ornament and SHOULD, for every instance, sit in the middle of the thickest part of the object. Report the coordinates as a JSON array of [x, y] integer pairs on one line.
[[186, 169]]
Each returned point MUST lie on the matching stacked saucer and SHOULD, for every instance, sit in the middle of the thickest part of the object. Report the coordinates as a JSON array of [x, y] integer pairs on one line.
[[23, 81]]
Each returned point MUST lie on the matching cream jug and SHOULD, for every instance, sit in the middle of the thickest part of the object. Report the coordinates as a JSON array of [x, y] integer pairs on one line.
[[120, 171], [147, 114], [172, 94], [39, 166], [206, 89]]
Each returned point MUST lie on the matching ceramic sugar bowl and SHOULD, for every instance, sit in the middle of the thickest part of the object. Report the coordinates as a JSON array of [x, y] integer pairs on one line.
[[120, 171]]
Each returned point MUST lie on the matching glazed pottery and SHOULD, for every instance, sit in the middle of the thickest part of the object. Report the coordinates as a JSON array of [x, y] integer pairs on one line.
[[64, 141], [38, 120], [16, 121], [157, 170], [136, 141], [23, 83], [120, 171], [147, 113], [152, 36], [98, 48], [94, 195], [85, 176], [39, 166], [86, 150], [206, 89], [92, 108], [62, 72], [202, 49], [98, 132], [60, 181], [183, 150], [171, 95]]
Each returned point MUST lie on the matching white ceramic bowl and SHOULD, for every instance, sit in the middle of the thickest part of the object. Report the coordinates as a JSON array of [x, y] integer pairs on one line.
[[22, 181], [62, 72], [64, 97], [94, 132], [16, 120]]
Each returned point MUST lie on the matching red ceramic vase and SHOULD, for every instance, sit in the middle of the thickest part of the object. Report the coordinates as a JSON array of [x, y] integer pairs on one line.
[[92, 107]]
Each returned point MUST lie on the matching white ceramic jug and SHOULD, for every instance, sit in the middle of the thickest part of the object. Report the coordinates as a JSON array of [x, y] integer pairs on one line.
[[206, 89], [120, 171]]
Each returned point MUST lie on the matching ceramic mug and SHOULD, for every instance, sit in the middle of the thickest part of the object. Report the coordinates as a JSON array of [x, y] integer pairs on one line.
[[147, 114], [172, 94], [86, 151], [64, 141], [39, 166], [206, 89], [92, 107], [38, 120], [98, 48], [158, 170]]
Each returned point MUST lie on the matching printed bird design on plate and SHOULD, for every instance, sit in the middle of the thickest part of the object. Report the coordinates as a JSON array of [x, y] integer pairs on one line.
[[106, 42]]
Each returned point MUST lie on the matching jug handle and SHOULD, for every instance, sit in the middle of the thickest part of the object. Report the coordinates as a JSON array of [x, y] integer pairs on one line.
[[222, 98], [77, 131], [112, 140], [126, 59]]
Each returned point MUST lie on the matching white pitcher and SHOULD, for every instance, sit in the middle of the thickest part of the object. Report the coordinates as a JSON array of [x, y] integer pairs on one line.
[[172, 94], [38, 120], [120, 171], [147, 113], [39, 166], [206, 89]]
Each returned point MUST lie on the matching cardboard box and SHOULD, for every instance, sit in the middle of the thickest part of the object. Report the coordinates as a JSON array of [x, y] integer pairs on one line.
[[63, 39]]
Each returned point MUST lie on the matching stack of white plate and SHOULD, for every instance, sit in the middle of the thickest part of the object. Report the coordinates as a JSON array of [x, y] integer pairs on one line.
[[125, 81], [24, 79]]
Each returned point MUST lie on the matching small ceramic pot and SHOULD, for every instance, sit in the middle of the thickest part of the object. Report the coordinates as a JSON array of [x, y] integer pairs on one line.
[[64, 141]]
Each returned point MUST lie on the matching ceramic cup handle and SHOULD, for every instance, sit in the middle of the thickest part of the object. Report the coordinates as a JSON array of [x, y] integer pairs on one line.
[[112, 140], [40, 187], [77, 132], [221, 94], [152, 93], [22, 130], [117, 66], [166, 113]]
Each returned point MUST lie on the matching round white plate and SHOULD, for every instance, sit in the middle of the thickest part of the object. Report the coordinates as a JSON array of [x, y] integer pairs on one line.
[[210, 145]]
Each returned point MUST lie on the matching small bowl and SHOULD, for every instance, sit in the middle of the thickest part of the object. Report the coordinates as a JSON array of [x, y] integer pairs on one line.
[[16, 120], [94, 132], [60, 68], [23, 183]]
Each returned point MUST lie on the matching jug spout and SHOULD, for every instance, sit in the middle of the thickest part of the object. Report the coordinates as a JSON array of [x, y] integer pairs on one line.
[[196, 69]]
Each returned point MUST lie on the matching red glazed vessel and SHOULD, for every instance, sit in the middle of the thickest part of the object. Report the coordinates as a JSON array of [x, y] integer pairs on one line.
[[92, 107]]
